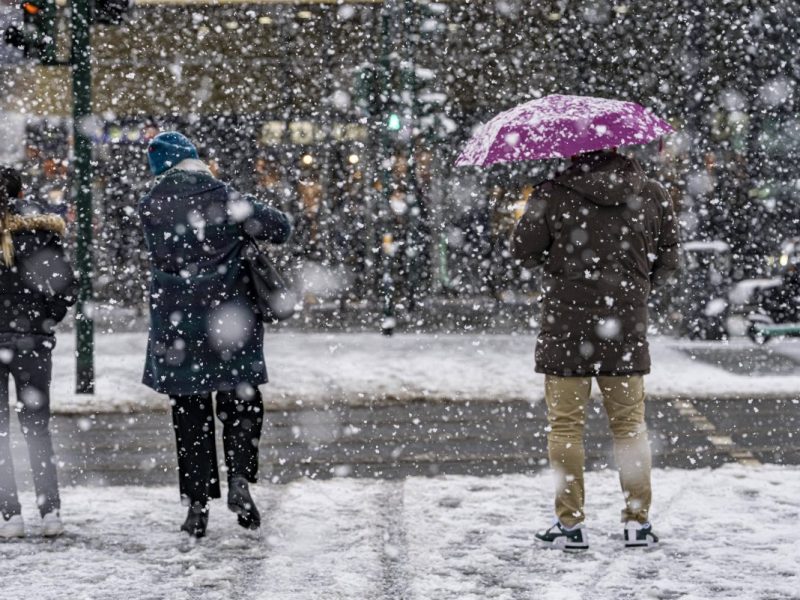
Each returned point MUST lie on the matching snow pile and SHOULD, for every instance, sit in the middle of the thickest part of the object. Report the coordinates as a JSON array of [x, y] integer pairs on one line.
[[362, 368], [726, 535]]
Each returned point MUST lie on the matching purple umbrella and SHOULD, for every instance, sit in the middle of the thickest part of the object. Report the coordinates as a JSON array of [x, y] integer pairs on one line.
[[558, 127]]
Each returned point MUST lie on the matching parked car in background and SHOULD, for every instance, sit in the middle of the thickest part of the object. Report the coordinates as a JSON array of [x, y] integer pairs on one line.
[[772, 305], [701, 296]]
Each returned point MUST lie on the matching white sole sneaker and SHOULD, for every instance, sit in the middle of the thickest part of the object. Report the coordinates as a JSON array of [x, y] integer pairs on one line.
[[639, 536], [52, 525], [14, 527], [558, 538]]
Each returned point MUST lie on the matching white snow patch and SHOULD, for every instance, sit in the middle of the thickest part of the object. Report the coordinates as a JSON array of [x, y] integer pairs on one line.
[[715, 306], [369, 367], [725, 533]]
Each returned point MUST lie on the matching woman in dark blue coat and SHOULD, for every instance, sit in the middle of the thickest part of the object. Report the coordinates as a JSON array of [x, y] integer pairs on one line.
[[205, 335]]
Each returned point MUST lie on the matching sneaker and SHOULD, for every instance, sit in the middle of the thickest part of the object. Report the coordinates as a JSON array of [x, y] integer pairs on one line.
[[562, 538], [12, 527], [241, 502], [51, 524], [196, 521], [639, 535]]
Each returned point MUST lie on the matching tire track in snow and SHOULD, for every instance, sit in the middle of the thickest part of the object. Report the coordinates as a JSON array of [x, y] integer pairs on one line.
[[250, 582], [628, 564], [394, 559], [320, 542]]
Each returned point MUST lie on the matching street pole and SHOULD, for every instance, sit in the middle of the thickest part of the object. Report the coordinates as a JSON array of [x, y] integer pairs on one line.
[[386, 154], [413, 255], [81, 55]]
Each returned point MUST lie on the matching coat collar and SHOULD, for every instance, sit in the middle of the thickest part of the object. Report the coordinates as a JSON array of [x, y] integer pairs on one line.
[[185, 179], [43, 222], [191, 165]]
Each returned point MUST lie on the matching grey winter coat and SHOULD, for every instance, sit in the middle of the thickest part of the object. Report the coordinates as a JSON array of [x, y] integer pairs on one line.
[[606, 235]]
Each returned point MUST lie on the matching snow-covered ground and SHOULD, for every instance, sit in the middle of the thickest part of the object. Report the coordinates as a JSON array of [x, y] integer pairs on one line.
[[727, 534], [311, 368]]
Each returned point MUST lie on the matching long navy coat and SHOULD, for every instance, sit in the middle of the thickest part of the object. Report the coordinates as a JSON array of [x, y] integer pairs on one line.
[[204, 333]]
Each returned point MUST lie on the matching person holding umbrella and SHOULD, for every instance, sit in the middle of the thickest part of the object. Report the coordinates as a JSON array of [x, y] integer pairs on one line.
[[605, 235]]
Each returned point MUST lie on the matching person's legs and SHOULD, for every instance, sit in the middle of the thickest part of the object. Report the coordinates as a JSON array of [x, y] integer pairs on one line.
[[566, 413], [193, 421], [9, 502], [242, 415], [32, 368], [624, 401]]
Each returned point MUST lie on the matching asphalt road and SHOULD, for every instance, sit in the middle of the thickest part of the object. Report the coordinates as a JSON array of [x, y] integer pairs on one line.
[[423, 438]]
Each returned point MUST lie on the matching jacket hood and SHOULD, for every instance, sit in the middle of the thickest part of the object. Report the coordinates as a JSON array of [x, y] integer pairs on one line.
[[604, 178]]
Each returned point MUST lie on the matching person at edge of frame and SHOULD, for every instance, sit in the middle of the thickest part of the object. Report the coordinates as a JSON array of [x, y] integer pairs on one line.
[[37, 286]]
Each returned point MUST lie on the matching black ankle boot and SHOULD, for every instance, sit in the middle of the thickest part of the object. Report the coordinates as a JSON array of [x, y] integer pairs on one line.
[[241, 502], [196, 521]]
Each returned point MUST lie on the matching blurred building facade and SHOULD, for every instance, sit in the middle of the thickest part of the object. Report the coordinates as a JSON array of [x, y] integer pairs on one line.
[[349, 116]]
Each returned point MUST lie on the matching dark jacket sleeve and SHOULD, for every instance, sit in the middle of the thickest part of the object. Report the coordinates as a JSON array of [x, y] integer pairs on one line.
[[668, 257], [266, 223], [65, 285], [531, 238]]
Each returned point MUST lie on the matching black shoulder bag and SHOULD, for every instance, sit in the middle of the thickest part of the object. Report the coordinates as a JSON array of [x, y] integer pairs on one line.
[[275, 301]]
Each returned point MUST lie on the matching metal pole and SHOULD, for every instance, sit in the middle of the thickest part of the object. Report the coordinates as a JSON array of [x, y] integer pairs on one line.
[[324, 210], [413, 255], [386, 154], [82, 190]]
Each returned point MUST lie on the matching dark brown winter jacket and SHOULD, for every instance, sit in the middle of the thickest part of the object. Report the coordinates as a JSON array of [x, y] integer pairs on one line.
[[605, 235]]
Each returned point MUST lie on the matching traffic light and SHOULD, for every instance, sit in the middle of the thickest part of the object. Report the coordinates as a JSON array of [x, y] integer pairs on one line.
[[110, 12], [394, 123], [37, 38]]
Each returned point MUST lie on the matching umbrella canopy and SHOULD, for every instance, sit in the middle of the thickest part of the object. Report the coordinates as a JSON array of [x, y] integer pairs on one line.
[[561, 126]]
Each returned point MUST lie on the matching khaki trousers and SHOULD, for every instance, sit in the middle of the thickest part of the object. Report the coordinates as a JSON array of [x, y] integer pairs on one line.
[[623, 398]]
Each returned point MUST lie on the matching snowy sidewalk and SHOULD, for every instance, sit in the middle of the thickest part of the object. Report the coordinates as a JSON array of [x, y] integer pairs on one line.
[[726, 533], [362, 368]]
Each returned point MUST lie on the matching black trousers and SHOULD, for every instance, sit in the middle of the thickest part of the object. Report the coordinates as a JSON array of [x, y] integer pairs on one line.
[[242, 417], [29, 362]]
